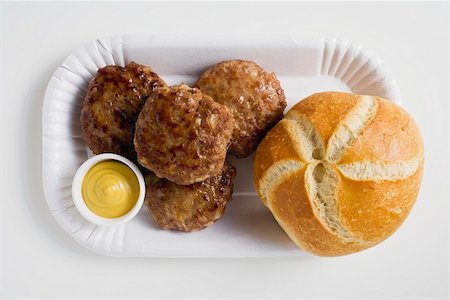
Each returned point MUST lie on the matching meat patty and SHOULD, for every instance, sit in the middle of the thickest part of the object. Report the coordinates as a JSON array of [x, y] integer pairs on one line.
[[189, 207], [112, 104], [183, 135], [253, 95]]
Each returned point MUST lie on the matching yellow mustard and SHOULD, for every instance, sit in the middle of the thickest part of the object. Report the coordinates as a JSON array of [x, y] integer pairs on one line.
[[110, 189]]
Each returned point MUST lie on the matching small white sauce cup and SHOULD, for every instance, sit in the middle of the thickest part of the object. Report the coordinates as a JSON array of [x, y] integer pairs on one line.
[[77, 193]]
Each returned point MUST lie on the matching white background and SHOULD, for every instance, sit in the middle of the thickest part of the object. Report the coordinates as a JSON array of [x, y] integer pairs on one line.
[[38, 259]]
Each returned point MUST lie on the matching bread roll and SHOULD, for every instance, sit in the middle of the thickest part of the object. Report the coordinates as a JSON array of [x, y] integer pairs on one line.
[[340, 172]]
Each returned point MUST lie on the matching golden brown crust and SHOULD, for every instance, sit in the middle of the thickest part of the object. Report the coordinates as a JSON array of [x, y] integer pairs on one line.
[[383, 164], [254, 96], [112, 104], [300, 222], [393, 129], [329, 106], [189, 207], [373, 210], [276, 147], [183, 135]]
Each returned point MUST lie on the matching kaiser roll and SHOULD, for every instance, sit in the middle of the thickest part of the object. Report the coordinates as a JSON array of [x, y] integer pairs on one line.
[[341, 172]]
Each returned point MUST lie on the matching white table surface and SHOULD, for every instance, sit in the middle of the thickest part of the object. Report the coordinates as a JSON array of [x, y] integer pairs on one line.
[[38, 259]]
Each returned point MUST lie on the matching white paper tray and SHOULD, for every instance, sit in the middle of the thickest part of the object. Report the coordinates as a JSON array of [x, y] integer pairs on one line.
[[247, 229]]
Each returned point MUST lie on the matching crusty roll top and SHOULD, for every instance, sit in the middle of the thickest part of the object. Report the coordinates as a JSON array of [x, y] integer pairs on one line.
[[340, 172]]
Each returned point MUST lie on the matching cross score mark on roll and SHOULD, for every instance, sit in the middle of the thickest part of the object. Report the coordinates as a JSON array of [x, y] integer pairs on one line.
[[322, 163]]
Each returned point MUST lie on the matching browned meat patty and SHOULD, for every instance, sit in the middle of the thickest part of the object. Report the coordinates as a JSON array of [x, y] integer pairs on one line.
[[112, 104], [254, 96], [183, 135], [189, 207]]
